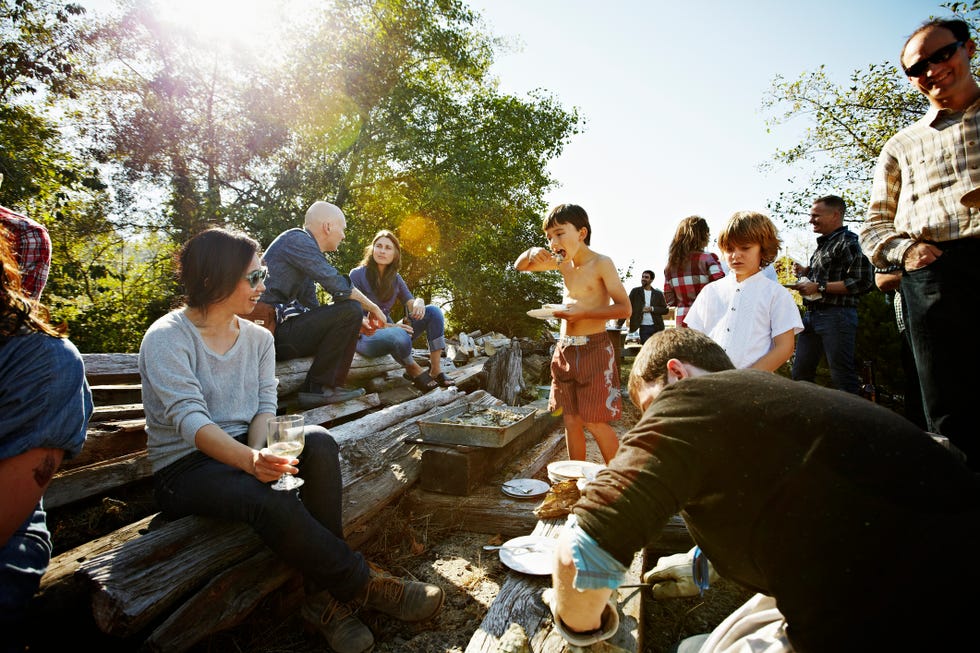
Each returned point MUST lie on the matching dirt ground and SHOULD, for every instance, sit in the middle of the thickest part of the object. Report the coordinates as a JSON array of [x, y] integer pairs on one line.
[[454, 560]]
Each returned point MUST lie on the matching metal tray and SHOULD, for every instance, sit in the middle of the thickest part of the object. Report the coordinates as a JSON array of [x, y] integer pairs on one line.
[[437, 430]]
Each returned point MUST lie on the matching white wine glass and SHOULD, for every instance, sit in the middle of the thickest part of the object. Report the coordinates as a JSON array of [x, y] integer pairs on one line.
[[286, 439]]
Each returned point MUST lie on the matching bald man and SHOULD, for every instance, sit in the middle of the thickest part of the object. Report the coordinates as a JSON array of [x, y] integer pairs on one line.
[[304, 327]]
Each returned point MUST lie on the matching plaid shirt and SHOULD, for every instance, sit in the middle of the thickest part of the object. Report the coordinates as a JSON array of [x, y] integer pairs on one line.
[[32, 245], [681, 286], [839, 258], [921, 174]]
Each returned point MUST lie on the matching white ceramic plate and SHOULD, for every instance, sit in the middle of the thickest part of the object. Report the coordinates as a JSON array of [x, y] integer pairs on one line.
[[546, 312], [538, 560], [567, 470], [525, 488]]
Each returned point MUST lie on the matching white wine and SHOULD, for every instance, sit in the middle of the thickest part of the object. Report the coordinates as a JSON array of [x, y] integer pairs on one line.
[[288, 449]]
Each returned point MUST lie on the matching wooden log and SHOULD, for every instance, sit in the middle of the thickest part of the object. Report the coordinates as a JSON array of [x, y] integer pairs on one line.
[[92, 480], [504, 377], [103, 414], [224, 602], [105, 442], [108, 371]]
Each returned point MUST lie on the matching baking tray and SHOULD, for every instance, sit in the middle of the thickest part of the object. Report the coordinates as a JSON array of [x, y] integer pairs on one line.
[[436, 430]]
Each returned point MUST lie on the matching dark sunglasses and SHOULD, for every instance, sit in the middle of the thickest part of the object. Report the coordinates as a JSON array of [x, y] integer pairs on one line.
[[257, 275], [939, 56]]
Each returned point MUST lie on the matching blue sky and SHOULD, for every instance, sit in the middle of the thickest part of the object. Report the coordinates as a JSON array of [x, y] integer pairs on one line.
[[672, 97]]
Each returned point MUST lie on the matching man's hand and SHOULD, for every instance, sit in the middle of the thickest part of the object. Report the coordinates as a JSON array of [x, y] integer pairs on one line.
[[673, 576], [608, 628], [920, 255]]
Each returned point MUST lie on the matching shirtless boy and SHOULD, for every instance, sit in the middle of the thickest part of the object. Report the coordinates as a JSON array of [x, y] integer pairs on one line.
[[584, 370]]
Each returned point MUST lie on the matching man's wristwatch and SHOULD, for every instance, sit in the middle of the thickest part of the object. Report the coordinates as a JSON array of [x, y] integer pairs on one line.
[[822, 288]]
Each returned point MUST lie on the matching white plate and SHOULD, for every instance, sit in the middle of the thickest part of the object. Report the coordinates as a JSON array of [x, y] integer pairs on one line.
[[546, 312], [567, 470], [539, 560], [525, 488]]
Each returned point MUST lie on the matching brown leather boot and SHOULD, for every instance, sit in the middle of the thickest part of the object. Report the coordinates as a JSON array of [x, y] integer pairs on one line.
[[402, 599], [334, 620]]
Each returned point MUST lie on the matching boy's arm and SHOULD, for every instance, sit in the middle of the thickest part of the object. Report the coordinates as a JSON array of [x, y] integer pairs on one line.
[[782, 348], [536, 259], [658, 303]]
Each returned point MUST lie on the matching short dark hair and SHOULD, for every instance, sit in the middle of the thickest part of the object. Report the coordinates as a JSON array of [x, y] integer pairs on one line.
[[650, 272], [833, 201], [684, 344], [212, 263], [569, 214], [960, 30]]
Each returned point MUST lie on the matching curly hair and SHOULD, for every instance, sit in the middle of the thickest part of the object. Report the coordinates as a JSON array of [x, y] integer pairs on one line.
[[691, 236]]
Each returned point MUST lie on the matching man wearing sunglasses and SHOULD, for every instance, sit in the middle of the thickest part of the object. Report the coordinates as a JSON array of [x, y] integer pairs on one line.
[[917, 220], [327, 332]]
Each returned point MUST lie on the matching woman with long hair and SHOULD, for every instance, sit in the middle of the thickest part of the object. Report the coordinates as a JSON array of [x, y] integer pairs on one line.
[[689, 267], [377, 277], [45, 405], [209, 390]]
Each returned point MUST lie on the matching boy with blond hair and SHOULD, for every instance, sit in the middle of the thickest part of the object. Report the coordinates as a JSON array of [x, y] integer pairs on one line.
[[753, 318], [584, 371]]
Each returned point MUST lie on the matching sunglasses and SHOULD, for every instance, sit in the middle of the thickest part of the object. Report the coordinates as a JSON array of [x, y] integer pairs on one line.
[[939, 56], [256, 276]]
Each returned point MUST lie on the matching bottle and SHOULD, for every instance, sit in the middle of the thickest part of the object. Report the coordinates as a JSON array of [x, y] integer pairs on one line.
[[868, 389]]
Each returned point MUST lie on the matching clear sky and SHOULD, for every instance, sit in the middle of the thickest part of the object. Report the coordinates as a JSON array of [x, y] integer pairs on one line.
[[672, 94]]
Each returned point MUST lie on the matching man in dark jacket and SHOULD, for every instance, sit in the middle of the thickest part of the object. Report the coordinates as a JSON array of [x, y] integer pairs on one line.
[[847, 519], [649, 307]]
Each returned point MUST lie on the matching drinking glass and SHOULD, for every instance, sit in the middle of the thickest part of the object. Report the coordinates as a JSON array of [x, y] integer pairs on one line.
[[286, 438]]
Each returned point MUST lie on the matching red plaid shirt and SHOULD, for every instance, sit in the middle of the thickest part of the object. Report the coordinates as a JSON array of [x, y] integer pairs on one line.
[[32, 246], [682, 285]]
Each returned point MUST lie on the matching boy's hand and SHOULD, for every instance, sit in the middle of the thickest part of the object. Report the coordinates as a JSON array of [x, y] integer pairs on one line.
[[570, 313]]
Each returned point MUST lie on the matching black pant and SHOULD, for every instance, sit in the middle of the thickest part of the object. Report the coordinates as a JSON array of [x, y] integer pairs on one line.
[[943, 314], [329, 334]]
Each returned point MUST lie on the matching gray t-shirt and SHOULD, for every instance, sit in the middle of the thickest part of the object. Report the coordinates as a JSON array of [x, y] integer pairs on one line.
[[187, 386]]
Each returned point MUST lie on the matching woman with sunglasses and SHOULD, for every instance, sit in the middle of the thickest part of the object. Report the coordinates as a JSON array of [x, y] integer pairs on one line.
[[209, 388], [378, 278]]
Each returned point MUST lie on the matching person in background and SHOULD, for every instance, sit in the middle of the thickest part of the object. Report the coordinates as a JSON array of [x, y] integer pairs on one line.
[[209, 389], [689, 267], [838, 274], [790, 489], [327, 332], [45, 405], [917, 221], [649, 307], [31, 246], [584, 371], [378, 279], [754, 319]]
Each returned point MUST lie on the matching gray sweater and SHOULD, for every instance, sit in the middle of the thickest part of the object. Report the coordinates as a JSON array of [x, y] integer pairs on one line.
[[187, 386]]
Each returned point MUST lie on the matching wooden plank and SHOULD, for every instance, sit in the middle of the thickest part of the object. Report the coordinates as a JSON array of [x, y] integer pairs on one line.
[[91, 480], [117, 412], [106, 442]]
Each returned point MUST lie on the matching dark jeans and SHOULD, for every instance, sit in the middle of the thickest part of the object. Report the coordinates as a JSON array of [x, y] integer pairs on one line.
[[329, 334], [830, 331], [942, 313], [305, 531], [647, 330]]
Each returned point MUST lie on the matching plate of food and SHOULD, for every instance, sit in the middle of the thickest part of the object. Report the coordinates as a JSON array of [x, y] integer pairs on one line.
[[525, 488], [530, 554], [546, 312]]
